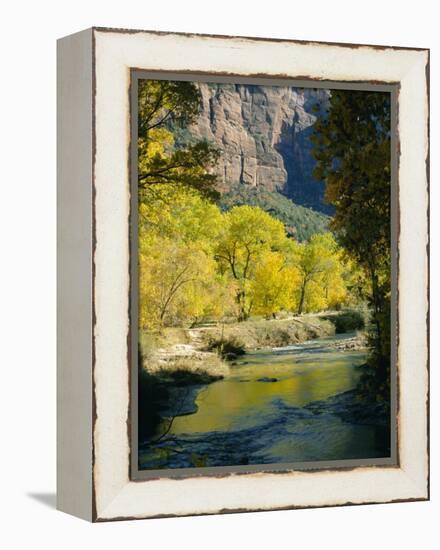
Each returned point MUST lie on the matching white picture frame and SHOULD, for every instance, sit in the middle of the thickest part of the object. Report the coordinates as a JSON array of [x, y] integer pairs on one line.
[[94, 351]]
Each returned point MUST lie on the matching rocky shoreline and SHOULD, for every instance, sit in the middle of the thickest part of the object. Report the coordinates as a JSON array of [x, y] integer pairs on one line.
[[359, 342]]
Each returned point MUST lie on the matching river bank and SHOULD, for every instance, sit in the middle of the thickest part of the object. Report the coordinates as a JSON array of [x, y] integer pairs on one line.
[[195, 348], [283, 404]]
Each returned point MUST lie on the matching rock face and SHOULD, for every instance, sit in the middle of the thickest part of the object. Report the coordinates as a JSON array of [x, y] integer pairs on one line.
[[263, 133]]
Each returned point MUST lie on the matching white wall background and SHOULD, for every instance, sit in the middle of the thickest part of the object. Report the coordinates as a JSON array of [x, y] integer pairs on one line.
[[27, 290]]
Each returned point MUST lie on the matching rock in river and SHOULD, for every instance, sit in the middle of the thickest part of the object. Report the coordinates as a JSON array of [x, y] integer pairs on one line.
[[267, 379]]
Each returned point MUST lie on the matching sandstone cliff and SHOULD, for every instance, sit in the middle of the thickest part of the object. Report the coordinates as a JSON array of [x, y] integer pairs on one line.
[[263, 133]]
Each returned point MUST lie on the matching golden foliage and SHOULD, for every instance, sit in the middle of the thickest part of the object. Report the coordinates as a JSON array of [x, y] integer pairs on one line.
[[196, 262]]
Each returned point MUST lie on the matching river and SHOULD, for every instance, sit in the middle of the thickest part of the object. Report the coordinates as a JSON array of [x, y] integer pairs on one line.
[[282, 405]]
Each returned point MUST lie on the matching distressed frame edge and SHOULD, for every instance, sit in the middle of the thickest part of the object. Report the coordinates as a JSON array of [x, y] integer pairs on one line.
[[229, 511], [428, 268], [352, 45]]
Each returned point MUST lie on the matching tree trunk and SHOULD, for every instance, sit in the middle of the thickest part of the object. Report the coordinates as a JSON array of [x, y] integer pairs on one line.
[[241, 300], [377, 310], [302, 297]]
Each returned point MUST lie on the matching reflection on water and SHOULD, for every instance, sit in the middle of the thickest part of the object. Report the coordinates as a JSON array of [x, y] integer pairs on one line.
[[261, 413], [242, 400]]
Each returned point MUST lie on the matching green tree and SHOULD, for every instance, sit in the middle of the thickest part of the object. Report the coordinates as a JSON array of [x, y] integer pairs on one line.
[[162, 104], [353, 153]]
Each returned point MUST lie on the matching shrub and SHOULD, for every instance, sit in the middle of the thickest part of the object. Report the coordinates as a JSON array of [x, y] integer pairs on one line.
[[347, 321], [227, 348]]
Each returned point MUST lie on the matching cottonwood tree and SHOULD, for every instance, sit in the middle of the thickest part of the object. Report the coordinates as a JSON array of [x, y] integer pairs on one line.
[[274, 285], [247, 233], [172, 279], [321, 283], [178, 276], [180, 213]]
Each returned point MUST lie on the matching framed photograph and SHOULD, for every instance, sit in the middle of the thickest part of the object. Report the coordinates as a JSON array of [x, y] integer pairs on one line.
[[242, 274]]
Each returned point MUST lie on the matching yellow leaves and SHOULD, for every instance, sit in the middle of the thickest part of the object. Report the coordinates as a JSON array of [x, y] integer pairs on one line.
[[321, 271], [315, 299], [179, 213], [247, 232], [178, 282], [172, 276], [157, 143], [252, 227], [178, 277], [196, 262], [274, 284]]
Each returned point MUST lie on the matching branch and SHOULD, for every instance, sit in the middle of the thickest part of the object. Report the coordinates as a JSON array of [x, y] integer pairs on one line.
[[147, 119]]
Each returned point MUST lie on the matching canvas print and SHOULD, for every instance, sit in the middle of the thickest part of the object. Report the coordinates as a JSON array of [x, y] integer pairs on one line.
[[264, 274]]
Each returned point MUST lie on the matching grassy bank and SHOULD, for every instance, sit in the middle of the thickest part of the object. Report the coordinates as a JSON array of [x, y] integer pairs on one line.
[[206, 349], [262, 333]]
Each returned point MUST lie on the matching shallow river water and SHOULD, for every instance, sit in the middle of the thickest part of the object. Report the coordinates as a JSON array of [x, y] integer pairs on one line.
[[276, 406]]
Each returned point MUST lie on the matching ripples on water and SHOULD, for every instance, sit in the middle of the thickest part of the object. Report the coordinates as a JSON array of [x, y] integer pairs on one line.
[[276, 406]]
